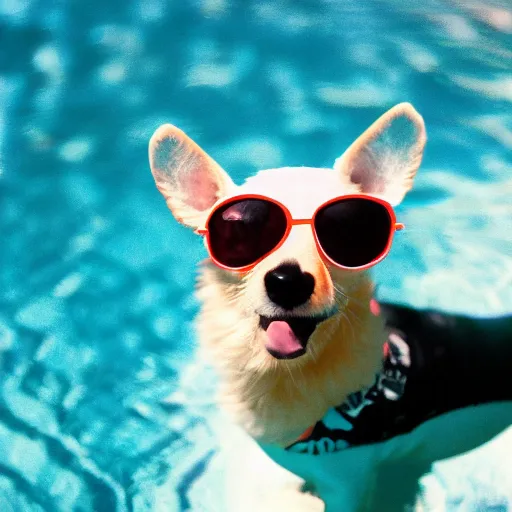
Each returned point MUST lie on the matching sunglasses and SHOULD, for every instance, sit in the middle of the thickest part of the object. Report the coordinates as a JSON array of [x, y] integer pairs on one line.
[[351, 232]]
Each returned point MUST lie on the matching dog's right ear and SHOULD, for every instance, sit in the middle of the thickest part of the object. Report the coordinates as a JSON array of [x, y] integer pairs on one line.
[[385, 158], [190, 181]]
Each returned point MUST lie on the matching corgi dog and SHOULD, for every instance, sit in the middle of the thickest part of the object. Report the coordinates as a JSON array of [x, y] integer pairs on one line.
[[288, 319]]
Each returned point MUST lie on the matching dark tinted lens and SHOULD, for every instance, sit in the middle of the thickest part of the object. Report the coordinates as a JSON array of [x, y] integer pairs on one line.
[[353, 232], [243, 231]]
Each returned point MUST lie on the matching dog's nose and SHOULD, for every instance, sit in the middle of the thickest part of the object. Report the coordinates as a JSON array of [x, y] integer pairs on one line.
[[289, 287]]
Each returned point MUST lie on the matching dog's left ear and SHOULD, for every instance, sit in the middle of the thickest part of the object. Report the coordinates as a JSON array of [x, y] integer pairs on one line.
[[190, 180], [385, 158]]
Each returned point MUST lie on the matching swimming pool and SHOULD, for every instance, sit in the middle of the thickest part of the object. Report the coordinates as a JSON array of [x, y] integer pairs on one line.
[[100, 409]]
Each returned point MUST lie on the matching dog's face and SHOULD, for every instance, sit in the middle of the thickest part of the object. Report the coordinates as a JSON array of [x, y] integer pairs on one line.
[[278, 309]]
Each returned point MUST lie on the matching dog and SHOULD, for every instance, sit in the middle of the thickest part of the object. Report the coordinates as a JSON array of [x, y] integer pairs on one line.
[[311, 368]]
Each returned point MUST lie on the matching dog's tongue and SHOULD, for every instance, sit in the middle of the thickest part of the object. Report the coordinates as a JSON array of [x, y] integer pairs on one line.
[[282, 341]]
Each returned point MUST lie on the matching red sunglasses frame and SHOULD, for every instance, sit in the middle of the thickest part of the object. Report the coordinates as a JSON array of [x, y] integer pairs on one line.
[[290, 222]]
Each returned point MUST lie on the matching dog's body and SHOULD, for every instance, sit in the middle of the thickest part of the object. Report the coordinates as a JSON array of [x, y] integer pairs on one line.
[[272, 401]]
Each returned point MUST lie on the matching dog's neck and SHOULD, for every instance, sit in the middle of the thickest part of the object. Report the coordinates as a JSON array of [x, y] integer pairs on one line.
[[276, 401]]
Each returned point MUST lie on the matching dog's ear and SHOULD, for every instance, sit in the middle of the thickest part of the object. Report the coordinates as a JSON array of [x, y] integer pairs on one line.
[[190, 181], [385, 158]]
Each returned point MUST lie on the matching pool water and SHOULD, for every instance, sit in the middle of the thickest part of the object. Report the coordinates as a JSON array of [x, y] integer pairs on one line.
[[101, 407]]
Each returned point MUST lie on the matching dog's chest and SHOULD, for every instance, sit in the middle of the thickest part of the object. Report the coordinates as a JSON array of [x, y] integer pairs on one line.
[[367, 416]]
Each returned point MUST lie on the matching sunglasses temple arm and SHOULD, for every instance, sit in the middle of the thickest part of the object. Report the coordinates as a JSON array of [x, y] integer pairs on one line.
[[399, 226]]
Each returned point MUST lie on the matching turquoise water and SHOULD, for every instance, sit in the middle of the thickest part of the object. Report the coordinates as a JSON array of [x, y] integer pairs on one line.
[[99, 407]]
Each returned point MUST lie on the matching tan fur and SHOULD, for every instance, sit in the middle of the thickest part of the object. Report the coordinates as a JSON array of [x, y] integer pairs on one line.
[[275, 401]]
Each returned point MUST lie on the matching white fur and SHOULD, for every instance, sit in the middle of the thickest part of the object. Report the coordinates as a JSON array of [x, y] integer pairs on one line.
[[297, 187]]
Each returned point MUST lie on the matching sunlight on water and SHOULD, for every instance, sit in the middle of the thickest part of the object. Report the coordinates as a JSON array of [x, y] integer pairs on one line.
[[100, 409]]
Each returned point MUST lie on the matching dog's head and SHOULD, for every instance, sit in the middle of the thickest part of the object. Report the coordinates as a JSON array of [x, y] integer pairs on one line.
[[289, 305]]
